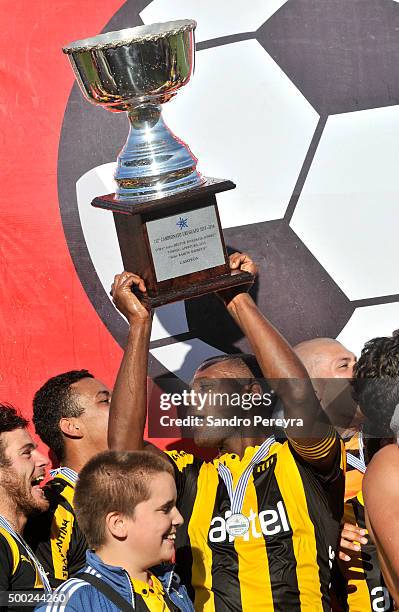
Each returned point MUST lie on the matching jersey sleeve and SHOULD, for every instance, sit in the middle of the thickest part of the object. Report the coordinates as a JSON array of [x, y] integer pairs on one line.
[[180, 459], [77, 551], [8, 562], [186, 468], [51, 543], [56, 538], [67, 544]]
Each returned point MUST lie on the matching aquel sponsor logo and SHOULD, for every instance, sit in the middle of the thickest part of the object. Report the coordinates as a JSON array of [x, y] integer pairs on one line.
[[271, 523]]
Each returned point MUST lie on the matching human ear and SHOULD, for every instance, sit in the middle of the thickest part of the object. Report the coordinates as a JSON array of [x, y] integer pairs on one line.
[[116, 525], [70, 427]]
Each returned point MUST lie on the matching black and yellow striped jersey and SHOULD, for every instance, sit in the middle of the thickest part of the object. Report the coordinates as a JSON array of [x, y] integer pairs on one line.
[[55, 536], [283, 563], [354, 476], [364, 589], [17, 570]]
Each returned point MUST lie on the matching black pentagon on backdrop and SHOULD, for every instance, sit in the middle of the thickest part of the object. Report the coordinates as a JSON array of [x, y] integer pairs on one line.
[[343, 55], [294, 290]]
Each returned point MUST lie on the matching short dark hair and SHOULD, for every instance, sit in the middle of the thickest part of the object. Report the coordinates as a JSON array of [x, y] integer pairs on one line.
[[242, 359], [113, 481], [375, 383], [53, 401], [10, 419]]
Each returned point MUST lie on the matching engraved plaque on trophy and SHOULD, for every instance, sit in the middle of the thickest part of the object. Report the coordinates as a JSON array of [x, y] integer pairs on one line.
[[165, 212]]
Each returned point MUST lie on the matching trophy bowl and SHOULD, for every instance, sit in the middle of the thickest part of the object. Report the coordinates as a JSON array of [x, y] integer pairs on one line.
[[136, 70]]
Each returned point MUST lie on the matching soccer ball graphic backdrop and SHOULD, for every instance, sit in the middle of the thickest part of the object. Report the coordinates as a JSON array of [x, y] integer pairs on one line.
[[296, 102]]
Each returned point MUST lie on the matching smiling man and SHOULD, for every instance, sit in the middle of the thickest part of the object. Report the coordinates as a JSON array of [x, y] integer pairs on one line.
[[70, 413], [22, 468]]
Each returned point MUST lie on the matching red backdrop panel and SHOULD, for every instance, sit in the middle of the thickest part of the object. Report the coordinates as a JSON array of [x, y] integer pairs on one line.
[[47, 322]]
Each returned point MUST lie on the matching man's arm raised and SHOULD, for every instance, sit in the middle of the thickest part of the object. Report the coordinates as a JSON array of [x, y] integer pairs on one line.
[[128, 410], [315, 441]]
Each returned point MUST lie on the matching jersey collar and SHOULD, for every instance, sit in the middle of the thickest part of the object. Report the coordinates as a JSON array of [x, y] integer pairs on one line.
[[66, 474], [233, 461]]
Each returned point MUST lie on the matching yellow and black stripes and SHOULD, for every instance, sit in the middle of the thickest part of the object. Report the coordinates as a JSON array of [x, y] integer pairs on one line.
[[187, 485], [225, 567], [17, 570], [55, 536], [354, 477], [279, 547], [283, 561], [60, 541], [14, 549], [365, 588]]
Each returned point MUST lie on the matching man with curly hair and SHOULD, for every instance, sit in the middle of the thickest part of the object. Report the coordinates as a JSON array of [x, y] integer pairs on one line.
[[376, 388]]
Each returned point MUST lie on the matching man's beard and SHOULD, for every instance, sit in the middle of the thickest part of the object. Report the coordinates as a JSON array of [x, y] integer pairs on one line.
[[20, 494]]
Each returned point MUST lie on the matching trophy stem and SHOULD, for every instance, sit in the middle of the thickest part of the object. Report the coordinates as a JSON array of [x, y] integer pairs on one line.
[[153, 162]]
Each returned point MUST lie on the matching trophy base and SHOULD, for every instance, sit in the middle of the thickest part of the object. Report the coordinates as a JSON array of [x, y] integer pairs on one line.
[[236, 278], [175, 243], [135, 206]]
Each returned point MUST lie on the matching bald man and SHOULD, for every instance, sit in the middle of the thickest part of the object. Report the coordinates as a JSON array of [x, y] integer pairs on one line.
[[326, 359], [330, 366], [361, 586]]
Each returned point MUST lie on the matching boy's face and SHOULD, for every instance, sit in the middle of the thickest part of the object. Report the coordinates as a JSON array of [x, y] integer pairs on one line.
[[152, 530]]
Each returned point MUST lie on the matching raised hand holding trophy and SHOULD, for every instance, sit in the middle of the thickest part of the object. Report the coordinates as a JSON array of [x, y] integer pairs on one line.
[[165, 212]]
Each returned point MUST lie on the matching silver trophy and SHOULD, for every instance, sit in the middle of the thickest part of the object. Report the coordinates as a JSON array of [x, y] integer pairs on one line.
[[136, 70]]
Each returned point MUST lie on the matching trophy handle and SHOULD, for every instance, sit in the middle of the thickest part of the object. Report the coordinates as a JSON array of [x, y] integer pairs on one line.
[[153, 161]]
